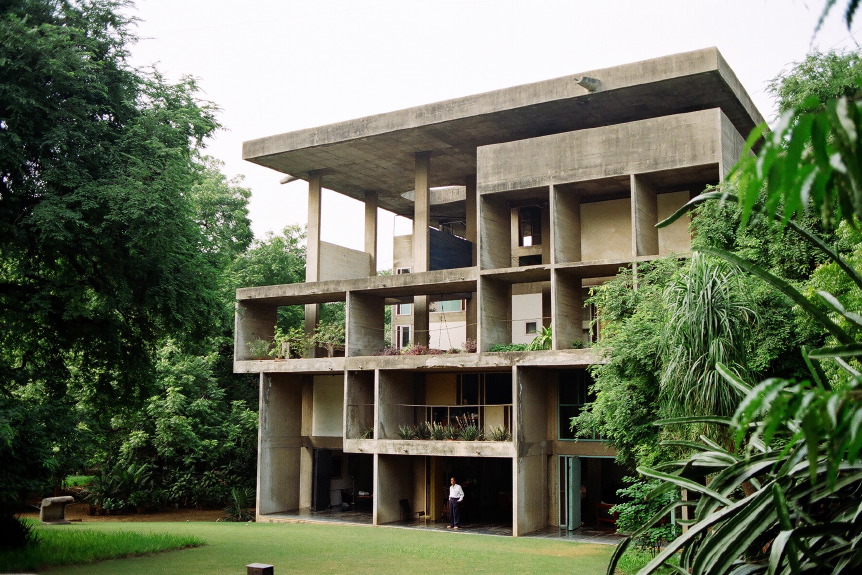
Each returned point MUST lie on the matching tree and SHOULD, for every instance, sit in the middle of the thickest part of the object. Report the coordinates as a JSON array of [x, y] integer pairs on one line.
[[799, 442], [707, 324], [100, 256]]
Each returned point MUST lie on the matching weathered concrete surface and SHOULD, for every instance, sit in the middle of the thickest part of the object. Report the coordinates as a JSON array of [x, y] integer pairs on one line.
[[655, 144], [376, 152], [53, 510]]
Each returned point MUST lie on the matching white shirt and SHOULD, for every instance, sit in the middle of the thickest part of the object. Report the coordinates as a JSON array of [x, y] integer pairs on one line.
[[455, 492]]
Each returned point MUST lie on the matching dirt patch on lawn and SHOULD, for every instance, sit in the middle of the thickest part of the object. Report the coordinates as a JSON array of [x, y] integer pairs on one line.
[[80, 512]]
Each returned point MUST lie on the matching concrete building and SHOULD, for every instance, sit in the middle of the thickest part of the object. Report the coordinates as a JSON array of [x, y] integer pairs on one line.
[[532, 193]]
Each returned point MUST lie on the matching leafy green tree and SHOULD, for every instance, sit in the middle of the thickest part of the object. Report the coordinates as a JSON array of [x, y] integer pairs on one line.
[[102, 252], [822, 75], [798, 441], [627, 382], [274, 260], [707, 324]]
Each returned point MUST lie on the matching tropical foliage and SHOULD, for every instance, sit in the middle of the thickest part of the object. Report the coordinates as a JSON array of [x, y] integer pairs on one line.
[[786, 495]]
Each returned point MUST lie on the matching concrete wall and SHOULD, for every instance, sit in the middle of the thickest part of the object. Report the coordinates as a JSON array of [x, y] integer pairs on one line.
[[665, 143], [525, 308], [394, 389], [441, 389], [447, 251], [251, 322], [328, 406], [606, 230], [279, 443], [340, 263], [675, 237], [530, 499], [394, 483]]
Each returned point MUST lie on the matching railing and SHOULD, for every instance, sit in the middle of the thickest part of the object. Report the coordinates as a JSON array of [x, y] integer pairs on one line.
[[458, 416]]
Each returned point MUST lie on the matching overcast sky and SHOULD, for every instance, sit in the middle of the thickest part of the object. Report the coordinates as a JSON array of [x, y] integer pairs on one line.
[[274, 66]]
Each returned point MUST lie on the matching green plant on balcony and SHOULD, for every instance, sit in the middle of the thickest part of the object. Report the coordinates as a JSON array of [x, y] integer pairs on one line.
[[499, 433], [437, 431], [451, 432], [470, 433], [508, 347], [259, 349], [407, 432], [542, 341], [293, 343], [330, 336], [423, 431]]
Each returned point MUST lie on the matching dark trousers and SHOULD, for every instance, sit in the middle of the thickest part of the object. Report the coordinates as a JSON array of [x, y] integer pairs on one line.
[[454, 515]]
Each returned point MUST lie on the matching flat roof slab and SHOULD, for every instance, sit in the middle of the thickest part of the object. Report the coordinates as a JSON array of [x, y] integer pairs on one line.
[[377, 152]]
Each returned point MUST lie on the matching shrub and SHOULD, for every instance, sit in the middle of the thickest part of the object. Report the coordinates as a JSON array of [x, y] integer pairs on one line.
[[508, 347], [470, 433], [499, 433], [437, 431], [240, 504], [423, 431], [638, 510], [469, 346], [450, 432], [407, 432], [15, 533]]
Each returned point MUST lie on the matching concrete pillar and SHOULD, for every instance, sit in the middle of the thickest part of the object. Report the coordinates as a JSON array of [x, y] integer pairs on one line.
[[495, 309], [365, 324], [312, 253], [421, 212], [421, 242], [471, 217], [495, 234], [371, 230], [567, 309], [279, 443], [529, 468], [565, 225], [644, 218]]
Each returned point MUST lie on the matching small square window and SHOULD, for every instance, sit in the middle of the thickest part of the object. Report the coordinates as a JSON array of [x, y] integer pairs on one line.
[[530, 328]]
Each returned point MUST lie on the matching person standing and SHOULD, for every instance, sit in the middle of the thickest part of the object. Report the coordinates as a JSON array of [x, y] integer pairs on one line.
[[456, 495]]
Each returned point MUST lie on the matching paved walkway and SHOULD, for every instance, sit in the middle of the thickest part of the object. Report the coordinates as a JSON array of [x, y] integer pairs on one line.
[[582, 535]]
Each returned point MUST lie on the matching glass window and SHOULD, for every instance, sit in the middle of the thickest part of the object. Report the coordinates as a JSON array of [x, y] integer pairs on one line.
[[404, 309], [530, 327], [448, 305], [573, 393], [402, 336], [530, 226]]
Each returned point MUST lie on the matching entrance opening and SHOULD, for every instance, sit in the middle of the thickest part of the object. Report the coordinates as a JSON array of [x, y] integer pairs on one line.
[[588, 485], [487, 484], [342, 481]]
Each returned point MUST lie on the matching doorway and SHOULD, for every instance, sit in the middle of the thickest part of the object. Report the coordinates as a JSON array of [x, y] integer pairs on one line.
[[587, 486]]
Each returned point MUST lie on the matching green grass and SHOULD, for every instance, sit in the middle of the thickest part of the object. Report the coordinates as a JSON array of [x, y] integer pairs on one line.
[[65, 545], [77, 480], [357, 550]]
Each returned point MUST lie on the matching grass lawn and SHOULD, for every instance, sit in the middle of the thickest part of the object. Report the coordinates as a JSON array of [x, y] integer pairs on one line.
[[345, 549]]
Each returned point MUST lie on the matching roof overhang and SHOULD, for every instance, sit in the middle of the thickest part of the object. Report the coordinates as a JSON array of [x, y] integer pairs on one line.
[[376, 153]]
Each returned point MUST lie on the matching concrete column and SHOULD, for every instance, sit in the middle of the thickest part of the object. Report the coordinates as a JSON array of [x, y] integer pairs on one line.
[[565, 225], [421, 242], [371, 230], [495, 234], [279, 485], [471, 216], [644, 218], [495, 311], [365, 324], [567, 309], [421, 212], [312, 251], [529, 468]]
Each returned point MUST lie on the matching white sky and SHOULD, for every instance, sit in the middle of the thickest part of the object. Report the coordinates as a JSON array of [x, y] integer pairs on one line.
[[274, 66]]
